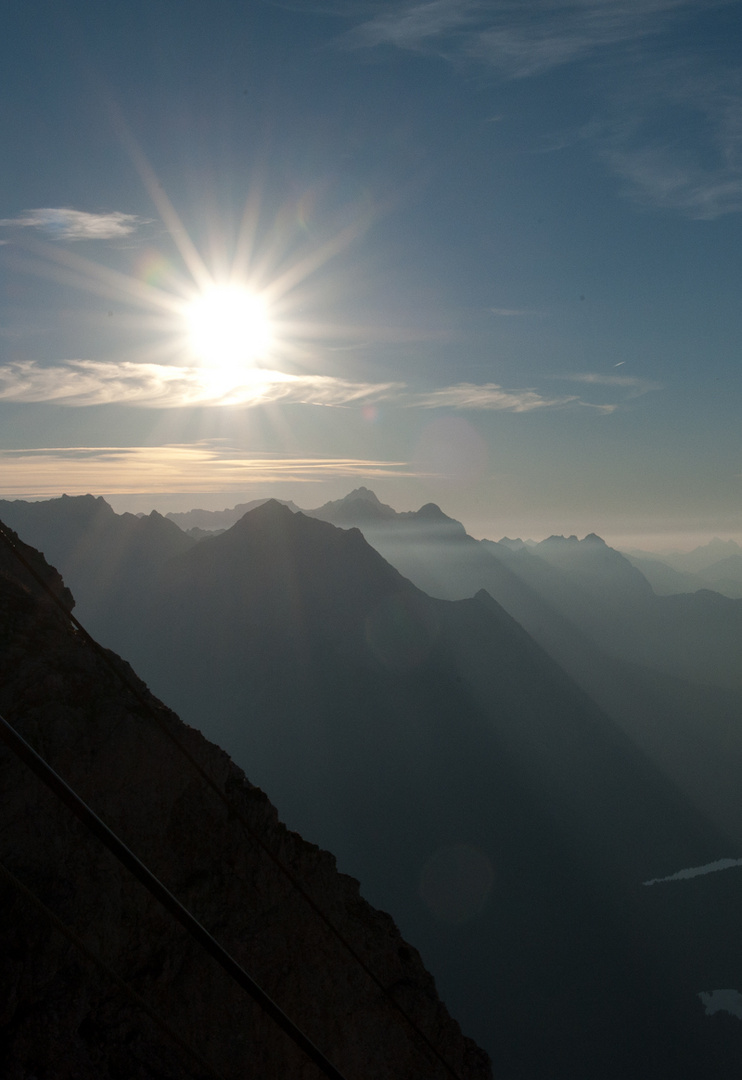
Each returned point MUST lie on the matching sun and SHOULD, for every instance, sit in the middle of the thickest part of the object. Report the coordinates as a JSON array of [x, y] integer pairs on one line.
[[228, 326]]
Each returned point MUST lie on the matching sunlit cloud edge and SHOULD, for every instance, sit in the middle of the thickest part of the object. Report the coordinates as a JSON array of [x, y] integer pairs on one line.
[[64, 223], [84, 383]]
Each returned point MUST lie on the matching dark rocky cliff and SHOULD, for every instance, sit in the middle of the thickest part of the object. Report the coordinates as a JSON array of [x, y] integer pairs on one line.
[[61, 1016]]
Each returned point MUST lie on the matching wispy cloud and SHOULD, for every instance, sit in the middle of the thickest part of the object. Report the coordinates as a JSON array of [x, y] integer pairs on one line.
[[199, 467], [656, 179], [633, 384], [489, 397], [411, 25], [697, 871], [651, 88], [511, 313], [519, 38], [93, 382], [62, 223]]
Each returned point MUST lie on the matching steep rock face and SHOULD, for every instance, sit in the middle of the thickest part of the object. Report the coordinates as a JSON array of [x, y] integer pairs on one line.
[[61, 1016]]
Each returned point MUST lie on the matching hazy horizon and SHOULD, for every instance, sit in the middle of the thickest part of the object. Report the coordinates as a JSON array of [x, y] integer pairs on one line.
[[311, 497]]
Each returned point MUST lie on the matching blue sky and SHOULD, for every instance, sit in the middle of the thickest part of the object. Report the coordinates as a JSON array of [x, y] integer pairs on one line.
[[498, 244]]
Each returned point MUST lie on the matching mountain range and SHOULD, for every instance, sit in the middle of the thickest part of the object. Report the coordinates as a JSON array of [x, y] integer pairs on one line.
[[666, 669], [445, 753], [716, 565]]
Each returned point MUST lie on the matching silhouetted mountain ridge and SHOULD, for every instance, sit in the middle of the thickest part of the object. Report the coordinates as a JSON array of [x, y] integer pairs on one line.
[[62, 1017], [209, 520], [396, 729], [427, 740]]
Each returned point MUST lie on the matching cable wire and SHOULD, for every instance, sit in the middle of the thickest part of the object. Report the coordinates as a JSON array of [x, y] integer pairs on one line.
[[93, 957], [154, 886]]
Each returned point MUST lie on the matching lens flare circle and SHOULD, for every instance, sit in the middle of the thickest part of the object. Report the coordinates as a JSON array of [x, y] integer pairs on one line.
[[228, 326]]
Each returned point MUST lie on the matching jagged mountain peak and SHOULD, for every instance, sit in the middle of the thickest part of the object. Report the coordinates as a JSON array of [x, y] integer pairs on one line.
[[432, 510], [717, 544], [212, 520], [292, 548], [363, 493], [82, 506], [87, 498], [360, 506], [572, 541], [270, 510], [559, 539]]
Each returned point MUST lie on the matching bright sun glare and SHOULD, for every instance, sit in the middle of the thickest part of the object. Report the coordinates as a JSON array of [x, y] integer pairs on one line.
[[228, 326]]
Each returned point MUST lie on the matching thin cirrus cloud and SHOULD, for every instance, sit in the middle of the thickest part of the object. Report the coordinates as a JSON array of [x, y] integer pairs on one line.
[[206, 466], [654, 88], [412, 25], [91, 382], [634, 385], [520, 38], [704, 185], [491, 396], [62, 223]]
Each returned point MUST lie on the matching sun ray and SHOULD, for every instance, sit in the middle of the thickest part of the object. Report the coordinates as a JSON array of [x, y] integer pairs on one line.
[[188, 250]]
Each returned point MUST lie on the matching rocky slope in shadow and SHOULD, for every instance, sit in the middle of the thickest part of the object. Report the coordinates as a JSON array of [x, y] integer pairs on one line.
[[61, 1016], [460, 774]]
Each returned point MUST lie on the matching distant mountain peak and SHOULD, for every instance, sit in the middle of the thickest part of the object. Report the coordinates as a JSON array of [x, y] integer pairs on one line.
[[718, 547], [556, 538], [272, 506], [363, 493], [591, 538], [432, 510], [360, 506], [219, 520], [72, 507], [270, 510]]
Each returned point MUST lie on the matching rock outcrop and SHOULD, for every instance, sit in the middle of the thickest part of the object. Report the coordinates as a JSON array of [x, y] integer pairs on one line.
[[62, 1016]]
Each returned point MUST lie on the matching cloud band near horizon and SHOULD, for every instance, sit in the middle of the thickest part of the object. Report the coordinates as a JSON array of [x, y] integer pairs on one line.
[[204, 467]]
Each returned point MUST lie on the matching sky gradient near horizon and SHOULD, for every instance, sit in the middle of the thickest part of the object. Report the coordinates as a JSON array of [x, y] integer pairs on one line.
[[499, 244]]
